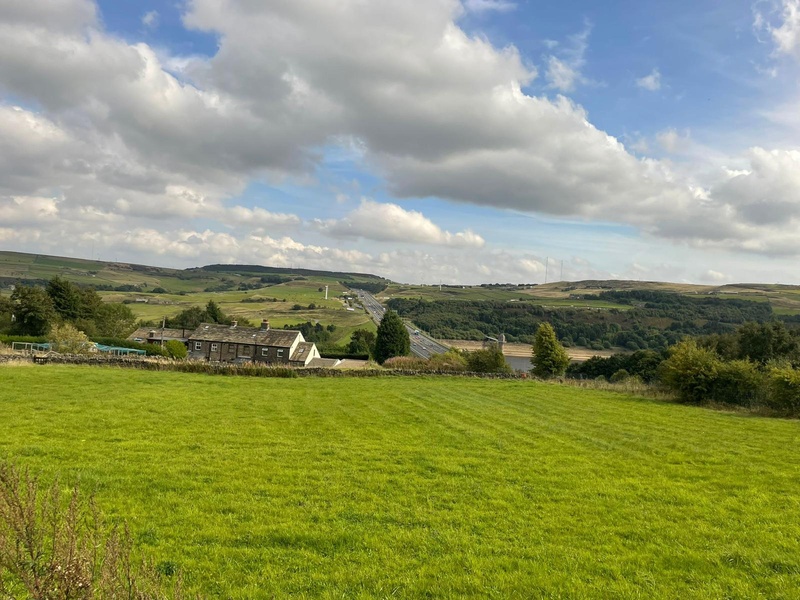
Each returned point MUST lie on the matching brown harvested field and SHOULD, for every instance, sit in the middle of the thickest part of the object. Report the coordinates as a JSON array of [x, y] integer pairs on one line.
[[511, 349]]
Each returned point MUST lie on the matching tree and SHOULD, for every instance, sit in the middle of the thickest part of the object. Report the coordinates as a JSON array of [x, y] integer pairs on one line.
[[362, 341], [33, 310], [214, 312], [66, 339], [549, 357], [66, 297], [392, 338], [115, 320], [762, 342], [189, 318]]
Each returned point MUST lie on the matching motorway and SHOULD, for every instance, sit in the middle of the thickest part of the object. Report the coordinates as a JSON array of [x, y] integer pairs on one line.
[[422, 345]]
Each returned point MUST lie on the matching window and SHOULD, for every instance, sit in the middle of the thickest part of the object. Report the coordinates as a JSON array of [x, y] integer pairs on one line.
[[214, 347], [198, 345], [264, 351], [245, 351], [280, 353], [231, 349]]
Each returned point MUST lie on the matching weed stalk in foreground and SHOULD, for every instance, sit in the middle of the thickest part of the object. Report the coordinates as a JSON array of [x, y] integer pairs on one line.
[[58, 548]]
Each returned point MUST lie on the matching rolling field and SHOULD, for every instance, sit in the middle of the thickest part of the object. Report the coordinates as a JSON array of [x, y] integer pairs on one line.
[[446, 488]]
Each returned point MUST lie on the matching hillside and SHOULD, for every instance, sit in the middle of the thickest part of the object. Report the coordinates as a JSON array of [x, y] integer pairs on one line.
[[284, 296], [586, 314], [322, 488]]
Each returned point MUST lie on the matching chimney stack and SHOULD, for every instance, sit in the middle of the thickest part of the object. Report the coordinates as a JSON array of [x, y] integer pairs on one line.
[[234, 324], [264, 325]]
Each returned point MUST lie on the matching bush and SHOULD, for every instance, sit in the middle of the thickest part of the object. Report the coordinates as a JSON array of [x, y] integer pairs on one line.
[[175, 349], [620, 375], [738, 382], [690, 372], [452, 360], [66, 339], [487, 361], [784, 390], [407, 363]]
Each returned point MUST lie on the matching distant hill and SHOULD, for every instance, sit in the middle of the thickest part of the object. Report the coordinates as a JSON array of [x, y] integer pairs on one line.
[[258, 269], [37, 269]]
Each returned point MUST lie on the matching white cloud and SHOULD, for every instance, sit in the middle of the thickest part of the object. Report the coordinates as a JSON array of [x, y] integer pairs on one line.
[[54, 15], [25, 211], [564, 71], [122, 143], [479, 6], [672, 141], [150, 19], [782, 24], [651, 82], [392, 223], [714, 276]]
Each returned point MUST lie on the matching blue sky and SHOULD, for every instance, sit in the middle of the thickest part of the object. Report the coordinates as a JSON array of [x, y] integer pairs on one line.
[[426, 140]]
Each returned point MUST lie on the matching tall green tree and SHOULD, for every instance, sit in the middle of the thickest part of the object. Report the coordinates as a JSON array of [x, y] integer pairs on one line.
[[214, 312], [115, 319], [189, 318], [67, 298], [762, 342], [392, 338], [549, 357], [33, 310]]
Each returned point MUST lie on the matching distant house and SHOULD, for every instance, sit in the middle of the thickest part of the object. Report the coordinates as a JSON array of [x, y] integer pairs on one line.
[[234, 344], [155, 335]]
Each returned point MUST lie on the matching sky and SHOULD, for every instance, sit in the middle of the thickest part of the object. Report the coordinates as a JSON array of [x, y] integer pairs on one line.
[[428, 141]]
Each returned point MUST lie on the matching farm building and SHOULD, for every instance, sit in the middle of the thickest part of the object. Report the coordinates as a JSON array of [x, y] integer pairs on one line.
[[231, 343]]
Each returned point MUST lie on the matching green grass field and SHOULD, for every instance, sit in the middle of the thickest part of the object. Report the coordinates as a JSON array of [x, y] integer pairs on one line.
[[420, 488]]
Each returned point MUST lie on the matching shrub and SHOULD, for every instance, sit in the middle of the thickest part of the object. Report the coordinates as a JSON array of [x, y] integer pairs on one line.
[[690, 372], [784, 390], [738, 382], [487, 361], [66, 339], [452, 360], [406, 363], [175, 349], [620, 375]]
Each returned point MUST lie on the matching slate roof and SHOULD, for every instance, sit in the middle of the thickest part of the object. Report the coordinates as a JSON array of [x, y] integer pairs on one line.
[[209, 332], [324, 363], [143, 333], [302, 350]]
